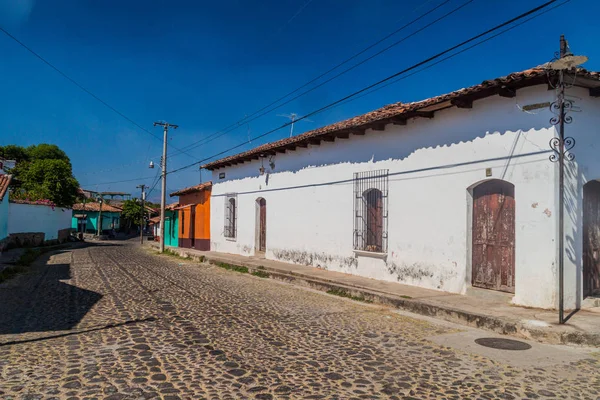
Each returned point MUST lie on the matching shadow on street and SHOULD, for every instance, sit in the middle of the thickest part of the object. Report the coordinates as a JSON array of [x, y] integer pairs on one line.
[[42, 302]]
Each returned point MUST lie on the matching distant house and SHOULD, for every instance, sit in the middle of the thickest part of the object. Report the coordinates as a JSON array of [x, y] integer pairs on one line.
[[194, 216], [4, 182], [171, 225], [7, 165], [85, 217]]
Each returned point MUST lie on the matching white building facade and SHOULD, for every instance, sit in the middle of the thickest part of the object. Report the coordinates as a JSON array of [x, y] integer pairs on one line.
[[452, 192]]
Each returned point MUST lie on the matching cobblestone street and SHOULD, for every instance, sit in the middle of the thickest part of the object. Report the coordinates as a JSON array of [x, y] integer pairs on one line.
[[114, 321]]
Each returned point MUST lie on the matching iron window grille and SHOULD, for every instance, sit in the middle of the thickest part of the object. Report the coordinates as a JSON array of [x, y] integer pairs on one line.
[[371, 210], [231, 216]]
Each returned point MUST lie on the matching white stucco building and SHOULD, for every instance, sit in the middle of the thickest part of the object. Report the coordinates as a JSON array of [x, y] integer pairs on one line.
[[447, 193]]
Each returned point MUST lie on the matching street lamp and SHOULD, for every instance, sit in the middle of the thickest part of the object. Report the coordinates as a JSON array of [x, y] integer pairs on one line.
[[562, 146]]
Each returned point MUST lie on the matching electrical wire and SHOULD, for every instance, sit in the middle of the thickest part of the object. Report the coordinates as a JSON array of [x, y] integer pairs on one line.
[[251, 117], [389, 78], [352, 96], [74, 82], [348, 69], [455, 54]]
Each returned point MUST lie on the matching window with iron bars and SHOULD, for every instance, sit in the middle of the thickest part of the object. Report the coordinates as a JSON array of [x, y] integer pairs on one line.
[[231, 216], [371, 210]]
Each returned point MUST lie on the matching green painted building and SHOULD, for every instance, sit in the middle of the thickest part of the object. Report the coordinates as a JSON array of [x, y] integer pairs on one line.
[[171, 226], [85, 217]]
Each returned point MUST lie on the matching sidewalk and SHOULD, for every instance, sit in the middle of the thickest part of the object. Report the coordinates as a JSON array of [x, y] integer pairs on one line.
[[484, 309]]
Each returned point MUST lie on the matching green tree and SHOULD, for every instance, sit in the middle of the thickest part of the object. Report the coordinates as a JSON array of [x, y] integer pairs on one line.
[[45, 151], [132, 213], [14, 152], [43, 171], [50, 179]]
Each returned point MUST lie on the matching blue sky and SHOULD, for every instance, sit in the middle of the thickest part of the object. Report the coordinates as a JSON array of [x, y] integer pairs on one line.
[[204, 65]]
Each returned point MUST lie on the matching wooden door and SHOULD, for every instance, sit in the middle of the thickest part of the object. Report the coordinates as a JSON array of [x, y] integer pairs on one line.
[[591, 238], [262, 240], [193, 225], [494, 236]]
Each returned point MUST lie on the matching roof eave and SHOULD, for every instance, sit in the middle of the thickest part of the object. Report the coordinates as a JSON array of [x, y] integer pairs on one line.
[[463, 98]]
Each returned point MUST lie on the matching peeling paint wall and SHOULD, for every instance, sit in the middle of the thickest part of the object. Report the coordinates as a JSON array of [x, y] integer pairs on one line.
[[432, 164]]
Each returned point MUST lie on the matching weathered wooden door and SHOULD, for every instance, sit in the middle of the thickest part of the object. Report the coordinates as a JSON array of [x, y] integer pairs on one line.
[[494, 236], [262, 240], [193, 225], [591, 238]]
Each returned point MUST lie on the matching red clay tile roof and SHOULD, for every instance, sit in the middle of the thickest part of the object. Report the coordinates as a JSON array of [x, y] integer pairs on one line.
[[46, 203], [399, 112], [172, 206], [95, 207], [192, 189], [154, 220], [4, 182]]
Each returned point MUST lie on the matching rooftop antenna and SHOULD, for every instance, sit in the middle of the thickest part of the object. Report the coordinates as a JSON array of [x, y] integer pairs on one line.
[[292, 117]]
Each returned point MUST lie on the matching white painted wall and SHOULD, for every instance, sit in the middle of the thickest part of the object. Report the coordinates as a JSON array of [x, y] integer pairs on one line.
[[25, 218], [432, 166]]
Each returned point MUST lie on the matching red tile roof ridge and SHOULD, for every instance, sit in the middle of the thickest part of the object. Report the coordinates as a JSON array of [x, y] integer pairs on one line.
[[395, 110], [192, 189], [95, 207]]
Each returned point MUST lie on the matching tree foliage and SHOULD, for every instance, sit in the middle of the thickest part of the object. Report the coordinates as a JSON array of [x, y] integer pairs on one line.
[[132, 212], [42, 172], [13, 152]]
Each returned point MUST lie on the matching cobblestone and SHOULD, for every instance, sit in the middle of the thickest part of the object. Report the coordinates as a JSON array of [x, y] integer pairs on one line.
[[115, 322]]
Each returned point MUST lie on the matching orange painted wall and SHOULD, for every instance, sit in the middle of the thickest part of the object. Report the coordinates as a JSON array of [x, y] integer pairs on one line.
[[200, 201]]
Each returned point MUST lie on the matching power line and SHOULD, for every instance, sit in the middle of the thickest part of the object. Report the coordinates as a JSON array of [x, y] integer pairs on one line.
[[455, 54], [249, 118], [413, 67], [347, 69], [73, 81], [125, 180], [353, 96]]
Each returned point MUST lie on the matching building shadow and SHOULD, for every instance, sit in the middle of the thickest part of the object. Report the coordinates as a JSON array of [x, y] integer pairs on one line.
[[44, 303]]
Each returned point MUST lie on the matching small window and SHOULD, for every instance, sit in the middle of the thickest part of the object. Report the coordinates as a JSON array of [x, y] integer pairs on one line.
[[230, 229], [370, 211]]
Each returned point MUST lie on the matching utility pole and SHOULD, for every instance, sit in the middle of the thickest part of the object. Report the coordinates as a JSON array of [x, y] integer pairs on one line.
[[143, 214], [100, 216], [163, 194]]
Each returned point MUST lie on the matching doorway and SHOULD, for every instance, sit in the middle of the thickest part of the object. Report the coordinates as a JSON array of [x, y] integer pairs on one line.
[[493, 242], [591, 239], [261, 225], [193, 225]]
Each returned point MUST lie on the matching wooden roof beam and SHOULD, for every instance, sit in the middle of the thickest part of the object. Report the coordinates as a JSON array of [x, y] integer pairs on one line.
[[314, 141], [398, 121], [329, 138], [423, 114], [462, 103], [342, 135], [595, 92], [378, 127], [280, 150], [506, 92], [359, 132], [301, 144]]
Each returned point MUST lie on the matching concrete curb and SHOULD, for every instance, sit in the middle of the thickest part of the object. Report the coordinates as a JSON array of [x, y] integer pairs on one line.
[[424, 307]]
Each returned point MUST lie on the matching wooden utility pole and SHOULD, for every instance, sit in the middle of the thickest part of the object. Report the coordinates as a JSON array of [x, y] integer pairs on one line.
[[100, 216], [163, 194], [143, 214]]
